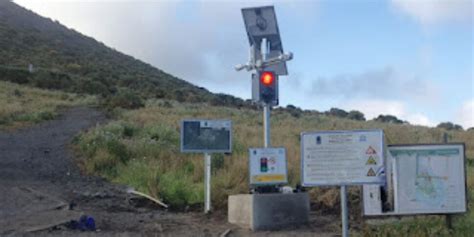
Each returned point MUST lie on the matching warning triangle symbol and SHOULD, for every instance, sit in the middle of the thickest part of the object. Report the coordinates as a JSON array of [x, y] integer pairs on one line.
[[371, 161], [370, 172], [370, 151]]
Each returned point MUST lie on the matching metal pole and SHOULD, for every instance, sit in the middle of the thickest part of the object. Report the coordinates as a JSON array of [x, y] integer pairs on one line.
[[266, 125], [266, 107], [207, 182], [344, 212], [264, 48]]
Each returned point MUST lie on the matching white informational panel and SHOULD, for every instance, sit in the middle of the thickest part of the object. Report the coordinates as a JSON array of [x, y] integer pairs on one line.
[[429, 179], [268, 166], [206, 136], [342, 157]]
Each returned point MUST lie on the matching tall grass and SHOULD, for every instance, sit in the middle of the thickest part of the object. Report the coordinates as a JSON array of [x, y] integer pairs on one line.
[[141, 149], [23, 105]]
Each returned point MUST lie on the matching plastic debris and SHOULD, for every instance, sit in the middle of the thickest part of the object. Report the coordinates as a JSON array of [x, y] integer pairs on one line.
[[85, 223]]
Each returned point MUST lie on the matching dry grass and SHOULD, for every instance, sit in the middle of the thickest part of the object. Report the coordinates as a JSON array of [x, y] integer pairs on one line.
[[162, 155], [153, 164], [22, 105]]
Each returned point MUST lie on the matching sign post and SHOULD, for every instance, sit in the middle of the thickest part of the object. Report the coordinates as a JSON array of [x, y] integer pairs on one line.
[[206, 136], [266, 107], [344, 212], [207, 182]]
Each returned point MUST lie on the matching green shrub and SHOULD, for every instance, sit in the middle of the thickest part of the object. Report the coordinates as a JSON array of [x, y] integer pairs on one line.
[[139, 175], [51, 80], [163, 134], [217, 162], [17, 93], [118, 150], [126, 99], [178, 190], [102, 163], [35, 117], [91, 87], [15, 75]]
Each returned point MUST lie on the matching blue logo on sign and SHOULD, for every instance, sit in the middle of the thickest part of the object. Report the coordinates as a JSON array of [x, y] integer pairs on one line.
[[318, 140]]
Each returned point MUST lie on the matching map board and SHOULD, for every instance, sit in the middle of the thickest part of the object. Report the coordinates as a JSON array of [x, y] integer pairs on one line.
[[206, 136], [342, 157], [268, 166], [428, 179]]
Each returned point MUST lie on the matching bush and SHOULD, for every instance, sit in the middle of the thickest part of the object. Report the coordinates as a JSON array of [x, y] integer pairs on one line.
[[178, 190], [337, 113], [356, 115], [35, 117], [91, 87], [15, 75], [389, 119], [126, 100], [294, 111], [52, 80], [450, 126], [104, 150]]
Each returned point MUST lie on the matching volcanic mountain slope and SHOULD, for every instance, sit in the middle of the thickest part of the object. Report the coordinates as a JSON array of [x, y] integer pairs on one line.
[[68, 60]]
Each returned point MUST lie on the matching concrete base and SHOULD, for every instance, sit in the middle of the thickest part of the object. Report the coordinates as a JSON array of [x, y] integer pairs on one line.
[[268, 211]]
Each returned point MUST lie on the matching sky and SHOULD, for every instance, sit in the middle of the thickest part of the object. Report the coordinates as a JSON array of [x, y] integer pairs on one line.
[[408, 58]]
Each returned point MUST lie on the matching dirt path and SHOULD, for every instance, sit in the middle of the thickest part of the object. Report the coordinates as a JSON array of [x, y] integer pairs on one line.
[[39, 181]]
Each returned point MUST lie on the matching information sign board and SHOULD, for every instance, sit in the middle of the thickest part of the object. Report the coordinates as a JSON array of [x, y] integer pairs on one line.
[[206, 136], [428, 179], [342, 157], [267, 166]]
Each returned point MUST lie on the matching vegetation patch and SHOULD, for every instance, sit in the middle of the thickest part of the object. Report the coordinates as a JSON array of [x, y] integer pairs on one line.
[[149, 137], [22, 105]]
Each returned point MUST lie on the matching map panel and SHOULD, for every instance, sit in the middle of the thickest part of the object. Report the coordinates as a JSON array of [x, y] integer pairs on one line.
[[429, 179]]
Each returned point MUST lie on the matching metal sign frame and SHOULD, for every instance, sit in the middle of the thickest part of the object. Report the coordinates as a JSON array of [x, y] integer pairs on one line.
[[206, 150], [335, 132], [394, 213], [268, 183]]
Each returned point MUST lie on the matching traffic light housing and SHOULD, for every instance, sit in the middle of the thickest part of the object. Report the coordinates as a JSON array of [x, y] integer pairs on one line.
[[265, 87]]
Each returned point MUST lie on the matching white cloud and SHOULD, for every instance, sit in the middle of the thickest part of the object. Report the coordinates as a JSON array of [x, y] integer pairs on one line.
[[374, 108], [418, 119], [466, 114], [431, 12], [386, 83]]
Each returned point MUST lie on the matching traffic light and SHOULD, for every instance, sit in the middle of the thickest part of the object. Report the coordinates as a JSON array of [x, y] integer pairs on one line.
[[265, 87]]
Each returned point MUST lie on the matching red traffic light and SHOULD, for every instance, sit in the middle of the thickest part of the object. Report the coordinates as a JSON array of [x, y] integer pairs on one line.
[[267, 78]]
